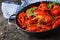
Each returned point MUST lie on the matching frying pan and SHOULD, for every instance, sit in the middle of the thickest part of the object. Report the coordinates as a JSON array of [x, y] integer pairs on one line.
[[37, 34]]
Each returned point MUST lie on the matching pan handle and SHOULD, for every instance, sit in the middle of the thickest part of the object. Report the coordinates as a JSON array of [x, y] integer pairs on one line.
[[12, 21]]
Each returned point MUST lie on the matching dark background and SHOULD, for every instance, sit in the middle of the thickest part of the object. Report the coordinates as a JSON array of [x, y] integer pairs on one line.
[[10, 32]]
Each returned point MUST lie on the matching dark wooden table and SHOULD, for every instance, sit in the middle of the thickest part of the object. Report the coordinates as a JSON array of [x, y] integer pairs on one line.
[[10, 32]]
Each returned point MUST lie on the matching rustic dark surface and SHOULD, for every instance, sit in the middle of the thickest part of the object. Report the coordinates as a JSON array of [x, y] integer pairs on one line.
[[10, 32]]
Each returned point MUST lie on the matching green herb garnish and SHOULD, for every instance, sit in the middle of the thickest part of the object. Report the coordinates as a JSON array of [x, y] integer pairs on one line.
[[31, 11], [50, 4]]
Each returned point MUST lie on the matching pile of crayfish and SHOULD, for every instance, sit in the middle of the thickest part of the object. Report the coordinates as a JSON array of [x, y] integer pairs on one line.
[[40, 18]]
